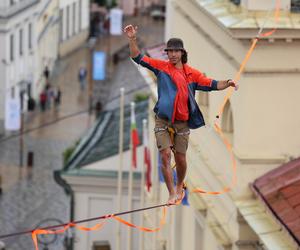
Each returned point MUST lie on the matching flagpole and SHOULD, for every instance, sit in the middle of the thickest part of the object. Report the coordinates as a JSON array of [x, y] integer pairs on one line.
[[156, 198], [142, 218], [130, 184], [120, 171]]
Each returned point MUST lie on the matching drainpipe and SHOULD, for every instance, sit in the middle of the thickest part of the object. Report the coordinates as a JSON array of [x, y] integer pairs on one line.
[[60, 181]]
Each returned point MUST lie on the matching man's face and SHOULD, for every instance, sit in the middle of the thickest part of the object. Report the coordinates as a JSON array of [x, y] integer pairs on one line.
[[174, 55]]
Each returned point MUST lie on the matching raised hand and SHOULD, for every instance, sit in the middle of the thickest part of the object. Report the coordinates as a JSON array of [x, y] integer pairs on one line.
[[131, 31]]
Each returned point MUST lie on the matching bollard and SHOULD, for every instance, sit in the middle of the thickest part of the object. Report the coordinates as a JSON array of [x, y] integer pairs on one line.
[[2, 245], [0, 193], [30, 158]]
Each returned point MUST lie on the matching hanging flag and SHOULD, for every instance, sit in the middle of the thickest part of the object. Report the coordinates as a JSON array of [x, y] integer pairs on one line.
[[134, 136], [185, 200], [147, 158]]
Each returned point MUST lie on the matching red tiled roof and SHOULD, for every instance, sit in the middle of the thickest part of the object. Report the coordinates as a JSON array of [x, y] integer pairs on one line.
[[280, 190]]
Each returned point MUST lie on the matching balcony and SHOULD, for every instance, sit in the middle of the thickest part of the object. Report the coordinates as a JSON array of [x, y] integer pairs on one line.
[[10, 11]]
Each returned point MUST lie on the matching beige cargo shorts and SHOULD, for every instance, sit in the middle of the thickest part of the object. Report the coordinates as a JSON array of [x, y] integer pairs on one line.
[[163, 137]]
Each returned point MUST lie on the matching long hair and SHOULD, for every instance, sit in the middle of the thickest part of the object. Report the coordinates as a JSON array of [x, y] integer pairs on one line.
[[184, 57]]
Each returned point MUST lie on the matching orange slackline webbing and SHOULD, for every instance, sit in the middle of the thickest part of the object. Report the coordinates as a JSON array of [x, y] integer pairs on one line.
[[37, 232], [226, 99]]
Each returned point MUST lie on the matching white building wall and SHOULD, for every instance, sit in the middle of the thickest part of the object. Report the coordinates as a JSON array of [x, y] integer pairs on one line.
[[47, 36], [21, 68], [97, 196], [75, 18], [95, 204]]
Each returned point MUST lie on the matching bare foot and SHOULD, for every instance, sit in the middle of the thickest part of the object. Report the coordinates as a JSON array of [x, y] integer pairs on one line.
[[172, 200], [180, 193], [179, 197]]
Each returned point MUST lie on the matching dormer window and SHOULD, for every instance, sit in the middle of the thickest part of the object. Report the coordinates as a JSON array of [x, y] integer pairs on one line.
[[236, 2], [295, 6]]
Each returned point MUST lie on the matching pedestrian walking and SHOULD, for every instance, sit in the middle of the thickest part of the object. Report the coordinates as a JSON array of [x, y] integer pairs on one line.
[[46, 73], [82, 74], [50, 95], [176, 111], [57, 96], [43, 100]]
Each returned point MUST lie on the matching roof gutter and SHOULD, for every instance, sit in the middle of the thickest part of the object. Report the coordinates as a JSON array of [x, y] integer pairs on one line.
[[257, 192]]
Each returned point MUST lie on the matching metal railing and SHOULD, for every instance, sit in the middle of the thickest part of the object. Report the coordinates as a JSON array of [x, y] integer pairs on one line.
[[6, 12]]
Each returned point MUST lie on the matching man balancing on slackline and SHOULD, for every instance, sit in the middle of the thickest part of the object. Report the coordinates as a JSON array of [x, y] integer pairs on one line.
[[176, 109]]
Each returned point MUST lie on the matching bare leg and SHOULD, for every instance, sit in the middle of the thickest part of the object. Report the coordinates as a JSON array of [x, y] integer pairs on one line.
[[167, 172], [181, 166]]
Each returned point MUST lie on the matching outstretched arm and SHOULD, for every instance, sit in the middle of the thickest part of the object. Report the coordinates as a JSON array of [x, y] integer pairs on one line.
[[226, 83], [131, 33]]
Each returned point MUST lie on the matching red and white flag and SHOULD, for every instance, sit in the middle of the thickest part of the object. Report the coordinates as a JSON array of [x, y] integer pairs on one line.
[[134, 136], [147, 158]]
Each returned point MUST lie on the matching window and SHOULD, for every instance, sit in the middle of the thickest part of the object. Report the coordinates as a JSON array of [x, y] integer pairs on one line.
[[227, 119], [236, 2], [12, 45], [295, 6], [68, 21], [30, 36], [102, 245], [74, 18], [61, 14], [79, 15], [21, 42]]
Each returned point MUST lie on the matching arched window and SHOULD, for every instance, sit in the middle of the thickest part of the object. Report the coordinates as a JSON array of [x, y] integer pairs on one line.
[[227, 119]]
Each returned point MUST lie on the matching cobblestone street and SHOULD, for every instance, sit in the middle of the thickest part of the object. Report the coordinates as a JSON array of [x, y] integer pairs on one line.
[[31, 195]]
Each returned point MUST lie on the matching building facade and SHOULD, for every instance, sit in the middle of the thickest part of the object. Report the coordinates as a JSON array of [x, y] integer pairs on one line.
[[258, 120], [17, 52], [47, 38], [74, 24], [91, 176], [33, 34]]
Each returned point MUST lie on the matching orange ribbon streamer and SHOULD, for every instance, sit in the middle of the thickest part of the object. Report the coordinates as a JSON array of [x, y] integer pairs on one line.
[[144, 229], [226, 99], [277, 14], [37, 232]]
